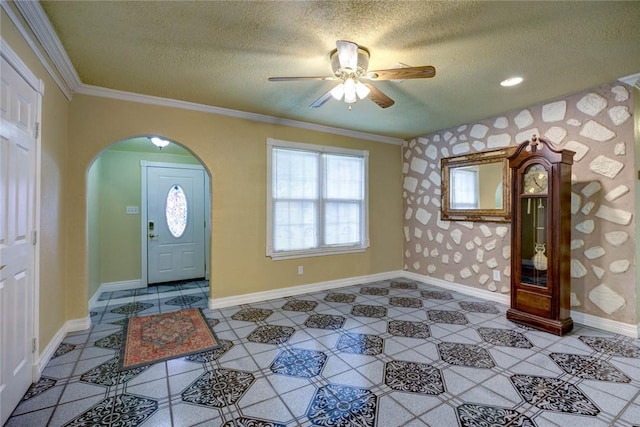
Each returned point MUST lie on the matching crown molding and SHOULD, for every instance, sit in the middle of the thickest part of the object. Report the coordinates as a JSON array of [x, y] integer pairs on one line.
[[38, 22], [44, 32], [174, 103], [64, 88], [632, 80]]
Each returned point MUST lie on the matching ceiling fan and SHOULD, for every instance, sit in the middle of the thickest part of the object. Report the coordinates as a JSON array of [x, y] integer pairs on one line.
[[349, 63]]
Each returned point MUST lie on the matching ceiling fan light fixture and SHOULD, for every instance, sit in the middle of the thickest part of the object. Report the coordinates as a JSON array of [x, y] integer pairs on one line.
[[362, 90], [338, 92], [349, 91], [350, 99]]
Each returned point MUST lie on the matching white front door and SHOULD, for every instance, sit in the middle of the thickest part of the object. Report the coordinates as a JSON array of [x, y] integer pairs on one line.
[[175, 228], [19, 104]]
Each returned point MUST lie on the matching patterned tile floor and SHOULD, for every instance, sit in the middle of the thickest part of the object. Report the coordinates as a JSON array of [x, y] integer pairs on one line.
[[389, 353]]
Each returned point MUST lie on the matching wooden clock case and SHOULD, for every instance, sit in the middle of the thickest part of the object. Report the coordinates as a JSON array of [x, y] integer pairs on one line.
[[541, 236]]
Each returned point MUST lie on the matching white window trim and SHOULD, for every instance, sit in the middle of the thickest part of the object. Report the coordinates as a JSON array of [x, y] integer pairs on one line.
[[328, 250]]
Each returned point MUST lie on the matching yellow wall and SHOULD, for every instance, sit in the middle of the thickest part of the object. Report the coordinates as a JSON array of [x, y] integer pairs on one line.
[[55, 110], [234, 152]]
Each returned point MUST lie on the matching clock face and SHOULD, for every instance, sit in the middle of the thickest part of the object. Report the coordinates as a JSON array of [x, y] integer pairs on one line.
[[536, 179]]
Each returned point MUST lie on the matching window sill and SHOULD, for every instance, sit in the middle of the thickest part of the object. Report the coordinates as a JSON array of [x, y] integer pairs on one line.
[[277, 256]]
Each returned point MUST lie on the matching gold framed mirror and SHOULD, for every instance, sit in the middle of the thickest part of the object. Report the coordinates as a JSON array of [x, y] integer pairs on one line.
[[477, 187]]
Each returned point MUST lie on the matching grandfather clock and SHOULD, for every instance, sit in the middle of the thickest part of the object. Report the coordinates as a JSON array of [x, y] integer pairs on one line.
[[541, 236]]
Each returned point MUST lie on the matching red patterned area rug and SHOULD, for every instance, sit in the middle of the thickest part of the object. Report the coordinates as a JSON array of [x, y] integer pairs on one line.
[[159, 337]]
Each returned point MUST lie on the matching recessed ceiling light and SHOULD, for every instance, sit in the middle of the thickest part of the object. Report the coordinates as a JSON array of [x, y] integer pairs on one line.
[[511, 81]]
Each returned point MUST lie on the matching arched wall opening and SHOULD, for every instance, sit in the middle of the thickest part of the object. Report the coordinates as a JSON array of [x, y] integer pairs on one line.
[[114, 211]]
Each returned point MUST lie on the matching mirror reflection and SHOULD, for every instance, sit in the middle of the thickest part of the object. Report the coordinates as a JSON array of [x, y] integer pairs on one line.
[[467, 192], [476, 187]]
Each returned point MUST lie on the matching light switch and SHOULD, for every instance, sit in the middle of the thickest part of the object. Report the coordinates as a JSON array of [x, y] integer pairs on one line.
[[132, 210]]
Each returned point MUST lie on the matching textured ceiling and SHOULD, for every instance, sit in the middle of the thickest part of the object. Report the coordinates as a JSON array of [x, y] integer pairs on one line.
[[220, 53]]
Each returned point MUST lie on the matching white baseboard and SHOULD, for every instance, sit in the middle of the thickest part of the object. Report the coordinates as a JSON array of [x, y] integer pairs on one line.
[[215, 303], [121, 286], [627, 329], [608, 325], [115, 286], [456, 287], [45, 356], [602, 323]]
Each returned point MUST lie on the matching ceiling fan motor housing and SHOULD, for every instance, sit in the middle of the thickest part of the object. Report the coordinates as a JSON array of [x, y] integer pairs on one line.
[[363, 63]]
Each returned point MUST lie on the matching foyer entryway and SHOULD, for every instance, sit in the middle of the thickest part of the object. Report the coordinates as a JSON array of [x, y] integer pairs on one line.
[[118, 222]]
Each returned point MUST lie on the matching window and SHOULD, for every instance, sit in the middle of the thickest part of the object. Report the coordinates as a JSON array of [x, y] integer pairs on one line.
[[316, 200], [465, 183], [176, 211]]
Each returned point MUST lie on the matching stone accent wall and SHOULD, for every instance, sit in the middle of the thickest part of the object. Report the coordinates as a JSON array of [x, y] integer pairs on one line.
[[598, 126]]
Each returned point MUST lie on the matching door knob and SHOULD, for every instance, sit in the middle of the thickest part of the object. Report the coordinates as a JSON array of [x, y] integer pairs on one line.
[[152, 236]]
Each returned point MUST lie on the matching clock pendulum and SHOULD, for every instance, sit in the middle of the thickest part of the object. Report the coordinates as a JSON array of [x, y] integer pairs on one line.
[[539, 258]]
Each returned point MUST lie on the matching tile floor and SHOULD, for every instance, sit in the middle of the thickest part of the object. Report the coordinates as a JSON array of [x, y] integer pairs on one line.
[[389, 353]]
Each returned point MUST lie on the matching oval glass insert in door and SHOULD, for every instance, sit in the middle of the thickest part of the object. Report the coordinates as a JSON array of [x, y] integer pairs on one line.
[[177, 211]]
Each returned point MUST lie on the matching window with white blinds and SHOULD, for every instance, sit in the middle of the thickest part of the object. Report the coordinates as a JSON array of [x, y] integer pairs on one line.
[[316, 199]]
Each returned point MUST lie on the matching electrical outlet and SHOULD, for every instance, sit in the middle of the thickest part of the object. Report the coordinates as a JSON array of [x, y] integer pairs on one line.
[[132, 210], [496, 275], [300, 270]]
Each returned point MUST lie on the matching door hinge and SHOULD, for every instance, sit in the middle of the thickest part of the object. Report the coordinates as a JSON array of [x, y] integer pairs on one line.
[[34, 237], [37, 131], [34, 345]]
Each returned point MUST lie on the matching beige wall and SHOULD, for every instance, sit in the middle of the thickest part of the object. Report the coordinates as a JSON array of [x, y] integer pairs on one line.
[[598, 125], [234, 152], [55, 109]]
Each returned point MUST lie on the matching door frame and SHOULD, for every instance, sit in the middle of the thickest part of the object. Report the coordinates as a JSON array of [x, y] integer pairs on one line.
[[144, 164]]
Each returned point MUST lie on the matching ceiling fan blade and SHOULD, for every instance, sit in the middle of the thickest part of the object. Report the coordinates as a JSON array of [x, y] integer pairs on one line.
[[347, 54], [378, 97], [293, 79], [321, 101], [423, 72]]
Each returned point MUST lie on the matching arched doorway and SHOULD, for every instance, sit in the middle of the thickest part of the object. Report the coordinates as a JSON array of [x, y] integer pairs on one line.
[[116, 210]]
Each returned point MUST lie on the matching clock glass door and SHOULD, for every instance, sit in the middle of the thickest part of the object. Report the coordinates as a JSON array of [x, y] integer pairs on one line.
[[533, 214], [534, 241]]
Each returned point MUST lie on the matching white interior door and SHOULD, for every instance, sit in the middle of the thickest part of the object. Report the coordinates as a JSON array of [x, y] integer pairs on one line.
[[175, 223], [19, 104]]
